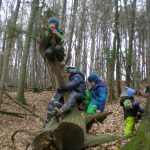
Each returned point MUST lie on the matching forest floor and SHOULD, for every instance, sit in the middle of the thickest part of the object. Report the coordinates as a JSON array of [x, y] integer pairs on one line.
[[38, 101]]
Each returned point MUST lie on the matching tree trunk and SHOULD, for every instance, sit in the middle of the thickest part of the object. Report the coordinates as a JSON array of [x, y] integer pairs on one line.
[[78, 51], [71, 133], [113, 54], [10, 33], [75, 6], [148, 40], [22, 75], [63, 15], [130, 49], [93, 33]]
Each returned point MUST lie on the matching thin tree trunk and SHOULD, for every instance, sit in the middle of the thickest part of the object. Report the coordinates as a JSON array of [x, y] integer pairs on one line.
[[75, 6], [130, 49], [63, 15], [22, 75], [10, 33]]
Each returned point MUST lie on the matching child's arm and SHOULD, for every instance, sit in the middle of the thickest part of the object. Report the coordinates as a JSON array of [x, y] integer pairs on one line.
[[60, 35], [71, 84]]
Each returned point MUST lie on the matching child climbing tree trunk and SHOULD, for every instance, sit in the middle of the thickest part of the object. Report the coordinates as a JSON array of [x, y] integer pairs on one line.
[[22, 75]]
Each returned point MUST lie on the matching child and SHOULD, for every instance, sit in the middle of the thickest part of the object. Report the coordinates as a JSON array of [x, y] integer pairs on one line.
[[132, 110], [54, 38], [99, 94], [76, 86]]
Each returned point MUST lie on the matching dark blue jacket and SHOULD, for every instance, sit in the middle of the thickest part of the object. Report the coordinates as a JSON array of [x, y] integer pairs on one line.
[[131, 112], [76, 82], [99, 95]]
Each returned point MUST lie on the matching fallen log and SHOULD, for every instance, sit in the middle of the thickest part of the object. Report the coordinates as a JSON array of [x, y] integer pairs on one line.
[[70, 133]]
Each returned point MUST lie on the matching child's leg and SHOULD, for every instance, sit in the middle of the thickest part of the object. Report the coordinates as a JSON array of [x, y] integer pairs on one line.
[[129, 125], [59, 52], [49, 54], [71, 101], [91, 109]]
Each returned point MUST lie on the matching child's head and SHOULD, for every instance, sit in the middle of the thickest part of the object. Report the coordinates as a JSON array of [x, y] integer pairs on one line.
[[69, 70], [53, 23], [93, 79]]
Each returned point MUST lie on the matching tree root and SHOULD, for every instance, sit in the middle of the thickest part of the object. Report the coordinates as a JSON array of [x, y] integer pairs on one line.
[[23, 131]]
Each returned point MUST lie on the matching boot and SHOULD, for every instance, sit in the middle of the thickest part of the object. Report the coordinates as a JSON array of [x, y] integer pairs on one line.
[[50, 54], [59, 53], [60, 111]]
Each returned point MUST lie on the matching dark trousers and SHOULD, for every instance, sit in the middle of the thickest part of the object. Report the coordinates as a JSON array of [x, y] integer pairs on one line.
[[57, 51], [73, 98]]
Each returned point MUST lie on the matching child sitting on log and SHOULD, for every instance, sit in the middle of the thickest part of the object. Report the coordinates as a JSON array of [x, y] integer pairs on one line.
[[54, 38], [99, 94], [76, 87], [132, 110]]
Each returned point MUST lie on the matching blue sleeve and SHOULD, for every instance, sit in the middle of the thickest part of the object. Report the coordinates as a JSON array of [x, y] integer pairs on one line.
[[102, 94], [102, 97], [73, 83]]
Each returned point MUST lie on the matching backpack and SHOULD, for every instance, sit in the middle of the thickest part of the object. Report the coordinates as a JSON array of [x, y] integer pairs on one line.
[[128, 104]]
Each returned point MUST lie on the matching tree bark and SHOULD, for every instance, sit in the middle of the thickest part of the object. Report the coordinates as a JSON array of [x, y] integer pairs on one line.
[[22, 75], [131, 25], [10, 33], [70, 133], [75, 6]]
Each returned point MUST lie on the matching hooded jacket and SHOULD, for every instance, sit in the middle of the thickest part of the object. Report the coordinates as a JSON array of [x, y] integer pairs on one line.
[[76, 83], [99, 91], [134, 110]]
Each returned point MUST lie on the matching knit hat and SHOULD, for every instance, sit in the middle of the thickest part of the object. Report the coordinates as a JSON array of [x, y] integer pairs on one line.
[[130, 92], [93, 77], [70, 69], [53, 20]]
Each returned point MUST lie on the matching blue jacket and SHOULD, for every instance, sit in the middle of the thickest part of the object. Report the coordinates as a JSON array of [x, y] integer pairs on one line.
[[76, 82], [99, 95]]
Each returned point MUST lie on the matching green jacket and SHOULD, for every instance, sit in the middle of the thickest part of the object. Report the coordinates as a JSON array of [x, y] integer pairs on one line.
[[59, 38]]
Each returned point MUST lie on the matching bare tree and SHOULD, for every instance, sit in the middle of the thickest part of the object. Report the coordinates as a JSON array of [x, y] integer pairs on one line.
[[10, 36], [22, 75]]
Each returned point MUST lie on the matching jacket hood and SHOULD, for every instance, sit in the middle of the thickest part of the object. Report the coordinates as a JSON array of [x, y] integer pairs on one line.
[[77, 72], [93, 77], [130, 92]]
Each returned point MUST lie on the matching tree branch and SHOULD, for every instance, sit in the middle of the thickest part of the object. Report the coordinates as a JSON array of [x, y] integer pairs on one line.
[[94, 140], [98, 116], [20, 115], [24, 107]]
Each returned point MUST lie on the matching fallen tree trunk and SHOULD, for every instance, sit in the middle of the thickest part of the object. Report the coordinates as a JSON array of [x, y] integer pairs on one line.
[[71, 133]]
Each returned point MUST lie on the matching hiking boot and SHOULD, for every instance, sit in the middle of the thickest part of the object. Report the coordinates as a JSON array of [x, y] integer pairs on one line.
[[60, 111]]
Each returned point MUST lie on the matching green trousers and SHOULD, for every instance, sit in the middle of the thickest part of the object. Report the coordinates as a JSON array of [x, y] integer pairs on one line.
[[129, 125], [91, 110]]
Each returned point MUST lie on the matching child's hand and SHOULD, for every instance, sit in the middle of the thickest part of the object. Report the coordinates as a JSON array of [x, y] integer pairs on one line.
[[82, 114], [54, 31], [98, 111], [42, 27]]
